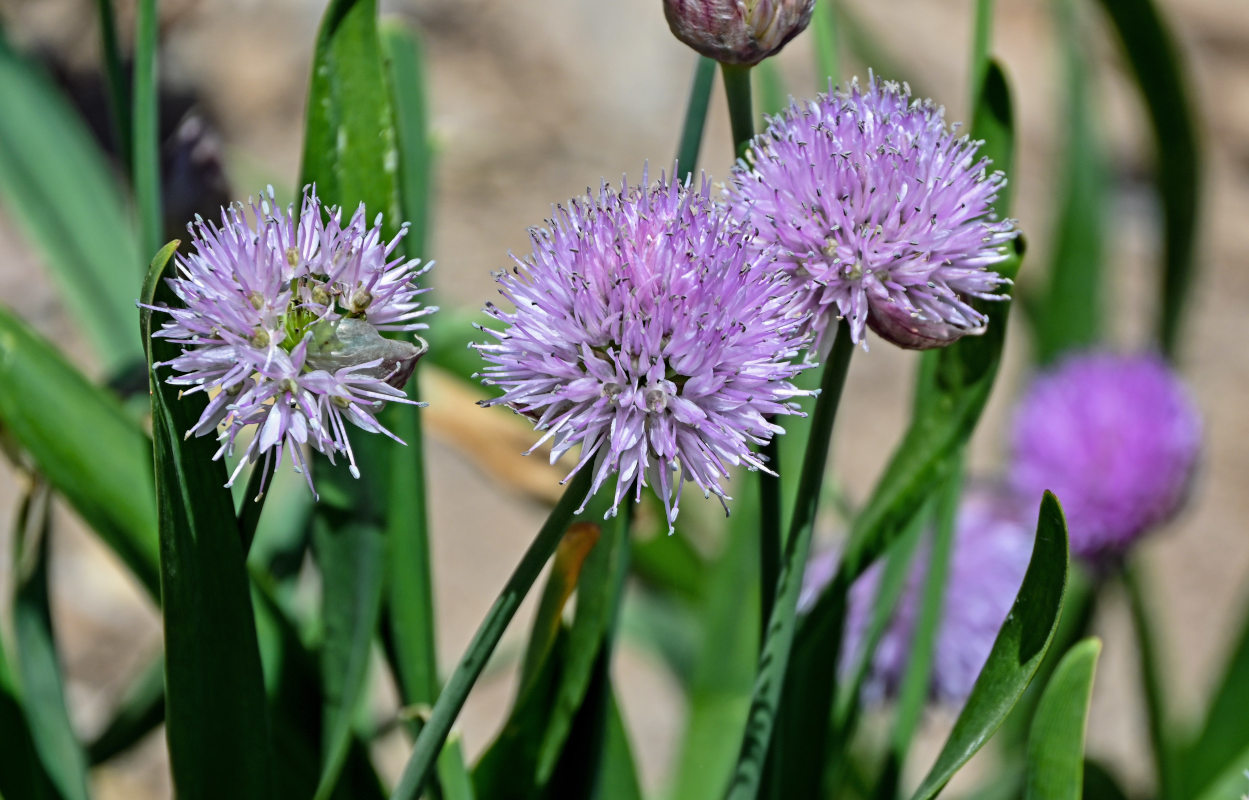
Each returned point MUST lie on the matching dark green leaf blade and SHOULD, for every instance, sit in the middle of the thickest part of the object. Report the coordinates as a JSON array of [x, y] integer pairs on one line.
[[21, 774], [1155, 61], [215, 698], [38, 664], [1016, 653], [352, 557], [52, 411], [1056, 747]]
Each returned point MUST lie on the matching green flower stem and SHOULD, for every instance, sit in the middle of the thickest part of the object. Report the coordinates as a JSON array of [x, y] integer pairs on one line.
[[824, 29], [695, 117], [430, 740], [774, 656], [741, 114], [1151, 683]]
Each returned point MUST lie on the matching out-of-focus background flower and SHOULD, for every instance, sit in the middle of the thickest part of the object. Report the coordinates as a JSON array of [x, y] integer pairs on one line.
[[534, 102]]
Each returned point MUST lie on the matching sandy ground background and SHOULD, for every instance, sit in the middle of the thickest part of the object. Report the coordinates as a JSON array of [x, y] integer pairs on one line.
[[534, 101]]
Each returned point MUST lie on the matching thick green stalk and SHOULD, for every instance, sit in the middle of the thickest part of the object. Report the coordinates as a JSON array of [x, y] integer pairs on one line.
[[695, 117], [741, 114], [774, 656], [430, 740], [1151, 684]]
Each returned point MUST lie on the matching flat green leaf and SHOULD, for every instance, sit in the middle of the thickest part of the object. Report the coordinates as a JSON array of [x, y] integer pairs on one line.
[[1056, 747], [405, 69], [993, 122], [1072, 309], [1152, 53], [38, 665], [1099, 784], [351, 154], [1232, 782], [145, 127], [1020, 645], [1224, 733], [352, 558], [719, 691], [349, 139], [57, 186], [53, 412], [215, 699], [21, 774]]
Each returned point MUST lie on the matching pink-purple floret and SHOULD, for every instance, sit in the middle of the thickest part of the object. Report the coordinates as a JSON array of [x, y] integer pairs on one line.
[[1116, 438], [240, 286], [882, 214], [647, 330]]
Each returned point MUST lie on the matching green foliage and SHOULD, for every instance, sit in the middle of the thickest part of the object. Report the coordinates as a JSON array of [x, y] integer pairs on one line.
[[1018, 650], [51, 412], [1056, 749], [215, 701], [56, 184]]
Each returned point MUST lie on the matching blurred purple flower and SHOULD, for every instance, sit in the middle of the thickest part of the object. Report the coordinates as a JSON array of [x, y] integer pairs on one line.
[[280, 325], [1116, 438], [737, 31], [880, 211], [648, 332], [991, 549]]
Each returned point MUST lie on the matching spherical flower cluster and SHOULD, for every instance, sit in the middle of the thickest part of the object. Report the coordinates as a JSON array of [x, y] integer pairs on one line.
[[280, 325], [737, 31], [990, 553], [884, 216], [1116, 438], [647, 331]]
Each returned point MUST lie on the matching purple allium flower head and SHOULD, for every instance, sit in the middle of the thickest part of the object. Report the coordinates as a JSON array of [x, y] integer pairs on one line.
[[883, 214], [990, 554], [1116, 438], [280, 324], [647, 331], [737, 31]]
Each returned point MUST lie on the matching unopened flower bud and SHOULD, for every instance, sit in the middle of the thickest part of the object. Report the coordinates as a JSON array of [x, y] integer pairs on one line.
[[910, 329], [737, 31]]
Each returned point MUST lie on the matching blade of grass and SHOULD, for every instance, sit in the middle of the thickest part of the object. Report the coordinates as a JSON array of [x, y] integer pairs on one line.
[[431, 738], [1020, 646], [215, 699], [145, 128], [51, 410], [70, 208], [1056, 747], [21, 774], [1152, 53], [38, 663], [774, 656]]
